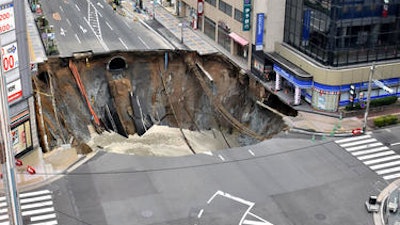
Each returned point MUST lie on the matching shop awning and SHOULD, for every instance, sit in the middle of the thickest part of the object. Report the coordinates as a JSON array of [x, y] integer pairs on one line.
[[238, 39]]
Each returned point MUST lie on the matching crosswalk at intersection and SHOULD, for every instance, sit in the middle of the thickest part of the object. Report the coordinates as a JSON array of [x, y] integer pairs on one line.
[[378, 157], [36, 208]]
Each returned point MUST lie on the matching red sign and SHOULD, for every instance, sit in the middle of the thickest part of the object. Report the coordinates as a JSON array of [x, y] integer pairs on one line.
[[14, 90], [200, 7]]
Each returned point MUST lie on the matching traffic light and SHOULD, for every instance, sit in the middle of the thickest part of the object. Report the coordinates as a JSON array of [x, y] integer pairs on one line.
[[353, 94]]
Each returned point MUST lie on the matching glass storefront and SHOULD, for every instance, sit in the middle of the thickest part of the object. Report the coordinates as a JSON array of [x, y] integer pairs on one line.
[[209, 28]]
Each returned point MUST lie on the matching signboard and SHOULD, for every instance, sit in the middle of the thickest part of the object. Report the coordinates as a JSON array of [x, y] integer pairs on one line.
[[246, 15], [306, 27], [7, 22], [14, 90], [200, 7], [260, 31], [9, 57], [383, 86]]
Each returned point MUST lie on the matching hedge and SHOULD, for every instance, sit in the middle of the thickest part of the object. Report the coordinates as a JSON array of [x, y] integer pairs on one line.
[[375, 103], [385, 120]]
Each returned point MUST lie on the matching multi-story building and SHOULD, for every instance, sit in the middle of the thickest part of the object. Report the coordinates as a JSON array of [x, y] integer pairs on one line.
[[16, 71], [313, 49]]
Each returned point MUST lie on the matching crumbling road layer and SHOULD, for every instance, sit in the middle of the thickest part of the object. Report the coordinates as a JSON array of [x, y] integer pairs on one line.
[[131, 91]]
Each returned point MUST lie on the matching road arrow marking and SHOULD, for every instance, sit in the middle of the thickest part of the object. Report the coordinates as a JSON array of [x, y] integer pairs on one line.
[[83, 29], [62, 31]]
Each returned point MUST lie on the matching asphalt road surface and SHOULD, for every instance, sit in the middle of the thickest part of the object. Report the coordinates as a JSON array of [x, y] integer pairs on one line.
[[94, 26], [279, 181]]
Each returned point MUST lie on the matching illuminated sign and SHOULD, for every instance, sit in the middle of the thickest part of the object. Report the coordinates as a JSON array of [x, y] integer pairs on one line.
[[9, 55], [7, 22]]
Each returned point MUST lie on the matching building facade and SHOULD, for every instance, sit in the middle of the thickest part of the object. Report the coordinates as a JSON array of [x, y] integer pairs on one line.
[[16, 70], [314, 50]]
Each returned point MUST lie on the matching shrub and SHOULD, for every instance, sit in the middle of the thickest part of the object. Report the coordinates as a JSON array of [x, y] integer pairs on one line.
[[385, 120], [383, 101]]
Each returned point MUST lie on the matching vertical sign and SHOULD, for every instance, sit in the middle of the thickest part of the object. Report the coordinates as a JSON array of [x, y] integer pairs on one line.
[[260, 31], [306, 26], [246, 15], [7, 22], [200, 8]]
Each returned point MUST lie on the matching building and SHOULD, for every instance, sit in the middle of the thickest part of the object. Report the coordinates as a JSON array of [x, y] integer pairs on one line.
[[314, 50], [17, 69]]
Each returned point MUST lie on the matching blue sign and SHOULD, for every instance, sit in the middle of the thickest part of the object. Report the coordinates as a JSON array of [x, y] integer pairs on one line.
[[306, 25], [259, 31]]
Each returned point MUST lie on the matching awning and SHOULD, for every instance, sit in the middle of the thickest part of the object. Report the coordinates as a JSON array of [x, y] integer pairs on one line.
[[238, 39]]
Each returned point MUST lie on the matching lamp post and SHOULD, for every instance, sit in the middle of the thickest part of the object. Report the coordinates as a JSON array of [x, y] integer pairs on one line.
[[371, 74]]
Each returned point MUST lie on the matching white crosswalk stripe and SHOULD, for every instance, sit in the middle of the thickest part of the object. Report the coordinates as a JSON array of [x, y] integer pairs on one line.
[[379, 158], [36, 208]]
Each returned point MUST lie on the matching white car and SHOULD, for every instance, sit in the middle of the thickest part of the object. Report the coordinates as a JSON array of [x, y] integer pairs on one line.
[[371, 204]]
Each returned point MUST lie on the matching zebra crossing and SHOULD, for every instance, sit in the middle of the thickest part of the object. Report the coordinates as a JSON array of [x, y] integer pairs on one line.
[[374, 154], [36, 208]]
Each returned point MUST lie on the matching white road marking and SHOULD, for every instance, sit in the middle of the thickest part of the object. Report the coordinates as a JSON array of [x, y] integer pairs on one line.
[[390, 170], [53, 222], [208, 153], [82, 29], [5, 223], [61, 8], [200, 213], [77, 7], [353, 139], [394, 144], [62, 31], [385, 153], [109, 26], [369, 151], [123, 43], [101, 6], [34, 193], [36, 205], [99, 14], [363, 146], [221, 157], [77, 38], [69, 22], [43, 217], [2, 198], [251, 152], [358, 142], [37, 211], [374, 161], [35, 199], [4, 217], [144, 43], [393, 176]]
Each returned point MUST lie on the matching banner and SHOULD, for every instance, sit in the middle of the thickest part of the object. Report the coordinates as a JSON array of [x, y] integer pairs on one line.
[[246, 15]]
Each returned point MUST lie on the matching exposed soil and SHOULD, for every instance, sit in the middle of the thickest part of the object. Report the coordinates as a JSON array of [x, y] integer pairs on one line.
[[142, 89]]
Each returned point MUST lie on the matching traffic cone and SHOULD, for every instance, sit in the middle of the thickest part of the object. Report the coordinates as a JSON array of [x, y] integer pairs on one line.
[[30, 170], [18, 162]]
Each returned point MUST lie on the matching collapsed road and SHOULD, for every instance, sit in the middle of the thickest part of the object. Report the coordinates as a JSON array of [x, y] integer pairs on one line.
[[133, 93]]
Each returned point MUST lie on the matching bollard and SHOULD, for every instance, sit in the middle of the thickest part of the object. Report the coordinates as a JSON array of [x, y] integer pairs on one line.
[[30, 170]]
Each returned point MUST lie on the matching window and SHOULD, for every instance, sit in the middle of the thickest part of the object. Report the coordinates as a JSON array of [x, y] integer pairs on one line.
[[238, 15], [212, 2], [225, 7]]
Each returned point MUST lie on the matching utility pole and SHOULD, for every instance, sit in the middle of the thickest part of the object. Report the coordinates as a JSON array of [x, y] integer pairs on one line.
[[371, 74], [7, 159]]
